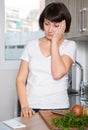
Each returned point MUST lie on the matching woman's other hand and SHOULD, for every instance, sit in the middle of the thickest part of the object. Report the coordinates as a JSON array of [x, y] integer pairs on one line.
[[27, 112]]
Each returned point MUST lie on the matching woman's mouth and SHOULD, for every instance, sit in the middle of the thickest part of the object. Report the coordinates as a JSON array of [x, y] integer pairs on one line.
[[50, 35]]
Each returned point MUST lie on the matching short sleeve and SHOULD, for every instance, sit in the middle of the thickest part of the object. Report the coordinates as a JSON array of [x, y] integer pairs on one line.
[[26, 53], [69, 49]]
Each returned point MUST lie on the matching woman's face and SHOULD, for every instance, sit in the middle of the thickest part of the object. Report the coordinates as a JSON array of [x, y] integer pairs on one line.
[[50, 28]]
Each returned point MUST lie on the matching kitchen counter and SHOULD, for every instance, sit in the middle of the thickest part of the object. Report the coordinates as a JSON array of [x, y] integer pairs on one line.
[[33, 123], [37, 123], [40, 121]]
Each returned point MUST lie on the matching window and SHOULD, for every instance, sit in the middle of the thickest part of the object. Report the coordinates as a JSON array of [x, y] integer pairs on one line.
[[21, 25]]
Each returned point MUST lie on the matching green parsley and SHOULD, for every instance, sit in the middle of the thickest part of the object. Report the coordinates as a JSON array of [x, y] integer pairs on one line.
[[70, 120]]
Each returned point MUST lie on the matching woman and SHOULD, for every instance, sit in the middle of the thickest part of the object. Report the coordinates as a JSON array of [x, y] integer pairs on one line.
[[43, 73]]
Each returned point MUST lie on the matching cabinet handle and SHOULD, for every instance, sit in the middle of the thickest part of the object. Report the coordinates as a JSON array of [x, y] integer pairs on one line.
[[82, 21]]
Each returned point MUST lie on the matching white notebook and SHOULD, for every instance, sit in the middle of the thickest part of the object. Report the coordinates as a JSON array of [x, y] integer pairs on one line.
[[13, 123]]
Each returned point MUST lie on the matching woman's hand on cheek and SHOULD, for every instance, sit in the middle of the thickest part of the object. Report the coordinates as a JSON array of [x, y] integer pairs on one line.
[[59, 32], [27, 112]]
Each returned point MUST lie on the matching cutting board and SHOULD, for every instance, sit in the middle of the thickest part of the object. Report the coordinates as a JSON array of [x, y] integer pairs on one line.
[[48, 116]]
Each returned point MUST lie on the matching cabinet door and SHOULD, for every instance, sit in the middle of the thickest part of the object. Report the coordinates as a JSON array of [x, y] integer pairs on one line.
[[63, 1], [79, 13], [84, 17], [49, 1], [72, 9], [78, 18]]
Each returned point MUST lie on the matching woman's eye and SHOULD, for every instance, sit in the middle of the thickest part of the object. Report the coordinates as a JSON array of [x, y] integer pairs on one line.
[[46, 23], [56, 26]]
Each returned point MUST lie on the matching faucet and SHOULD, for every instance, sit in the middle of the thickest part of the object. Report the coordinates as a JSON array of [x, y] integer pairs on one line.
[[81, 89]]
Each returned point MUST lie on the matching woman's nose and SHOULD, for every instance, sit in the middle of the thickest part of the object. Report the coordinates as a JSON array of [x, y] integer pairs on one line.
[[51, 29]]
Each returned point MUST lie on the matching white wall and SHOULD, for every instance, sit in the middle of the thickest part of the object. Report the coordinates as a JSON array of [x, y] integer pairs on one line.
[[7, 93], [8, 72]]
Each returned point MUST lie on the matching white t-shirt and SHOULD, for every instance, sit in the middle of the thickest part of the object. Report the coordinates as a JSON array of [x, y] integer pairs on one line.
[[42, 90]]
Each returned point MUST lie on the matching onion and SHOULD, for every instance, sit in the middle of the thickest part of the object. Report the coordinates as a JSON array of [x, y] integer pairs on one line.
[[86, 111], [77, 109]]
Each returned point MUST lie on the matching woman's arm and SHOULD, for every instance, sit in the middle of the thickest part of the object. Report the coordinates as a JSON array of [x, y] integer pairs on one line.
[[21, 88], [60, 65]]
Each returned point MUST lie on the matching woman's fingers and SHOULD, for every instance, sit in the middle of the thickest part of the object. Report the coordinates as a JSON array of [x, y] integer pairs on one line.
[[26, 111], [59, 32], [61, 28]]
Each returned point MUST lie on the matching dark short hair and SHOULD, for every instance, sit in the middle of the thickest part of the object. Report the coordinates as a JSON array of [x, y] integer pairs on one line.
[[55, 12]]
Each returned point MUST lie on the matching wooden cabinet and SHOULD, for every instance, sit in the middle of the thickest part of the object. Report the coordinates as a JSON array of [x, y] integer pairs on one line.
[[73, 10], [63, 1], [82, 17], [79, 13]]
